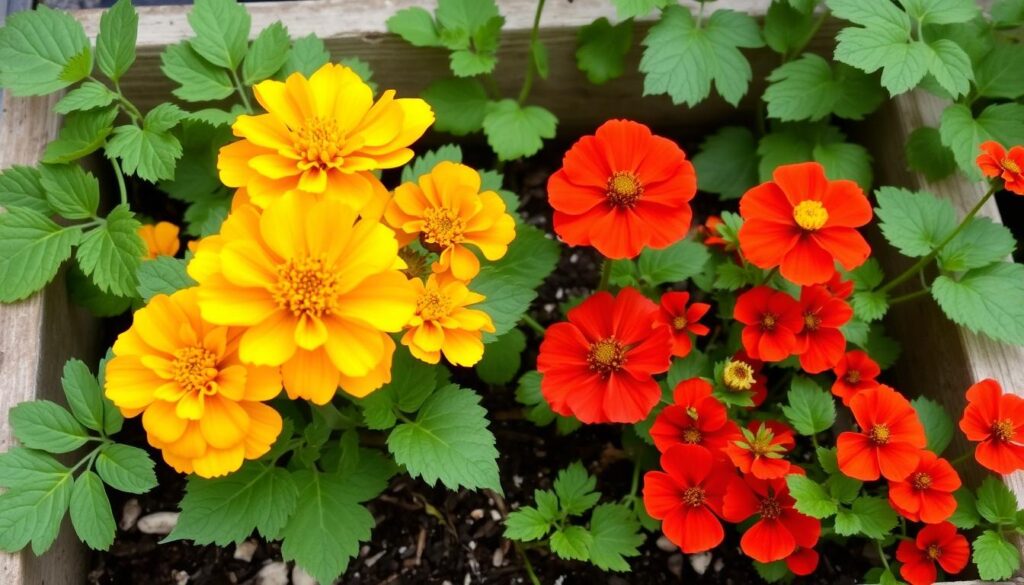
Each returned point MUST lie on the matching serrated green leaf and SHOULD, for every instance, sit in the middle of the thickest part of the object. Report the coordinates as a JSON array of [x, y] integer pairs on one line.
[[914, 223], [637, 8], [20, 186], [811, 497], [674, 264], [308, 54], [34, 514], [1008, 12], [149, 154], [997, 76], [727, 162], [844, 160], [616, 535], [575, 489], [222, 31], [22, 468], [48, 426], [85, 293], [989, 300], [869, 305], [996, 503], [927, 155], [115, 44], [88, 96], [531, 257], [416, 26], [506, 299], [32, 248], [467, 15], [571, 543], [844, 489], [70, 191], [786, 27], [950, 66], [125, 468], [809, 89], [83, 133], [514, 131], [941, 11], [526, 524], [86, 399], [42, 51], [810, 409], [601, 49], [198, 79], [163, 117], [995, 557], [963, 133], [162, 275], [801, 142], [411, 383], [111, 254], [772, 572], [502, 358], [426, 162], [938, 425], [268, 53], [876, 517], [980, 243], [459, 104], [90, 512], [966, 515]]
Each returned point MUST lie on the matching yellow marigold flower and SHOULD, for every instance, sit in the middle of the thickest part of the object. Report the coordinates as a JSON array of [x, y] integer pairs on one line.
[[444, 323], [322, 135], [447, 212], [161, 239], [201, 406], [315, 288]]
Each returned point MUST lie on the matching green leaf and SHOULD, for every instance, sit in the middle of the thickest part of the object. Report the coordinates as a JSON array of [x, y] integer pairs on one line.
[[997, 76], [197, 78], [786, 27], [616, 534], [222, 31], [70, 191], [459, 104], [502, 358], [869, 305], [938, 425], [996, 503], [682, 59], [85, 293], [32, 248], [995, 557], [24, 468], [416, 26], [124, 468], [601, 49], [963, 133], [450, 441], [575, 489], [86, 399], [526, 524], [950, 66], [83, 133], [801, 142], [88, 96], [115, 45], [674, 264], [842, 488], [149, 154], [966, 514], [360, 68], [571, 543], [637, 8], [426, 162], [411, 383], [90, 512], [466, 15], [875, 516], [809, 89], [914, 223], [42, 51], [46, 425], [727, 162], [772, 572], [34, 513], [506, 299], [162, 275], [111, 253], [531, 257], [811, 497], [1008, 12], [268, 53], [514, 131], [811, 410], [882, 41], [986, 300], [927, 155], [844, 160], [20, 186], [980, 243], [228, 509], [307, 55], [941, 11]]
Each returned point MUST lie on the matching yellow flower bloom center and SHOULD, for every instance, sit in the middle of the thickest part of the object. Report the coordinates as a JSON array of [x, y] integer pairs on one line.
[[921, 481], [1010, 165], [432, 305], [762, 445], [812, 321], [318, 143], [692, 436], [934, 551], [195, 369], [738, 375], [624, 188], [694, 496], [853, 377], [606, 356], [879, 434], [768, 321], [810, 215], [679, 323], [770, 508], [306, 287], [1003, 430], [442, 228]]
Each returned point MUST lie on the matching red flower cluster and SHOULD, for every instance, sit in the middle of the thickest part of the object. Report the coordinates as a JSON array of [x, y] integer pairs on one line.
[[996, 422], [995, 161]]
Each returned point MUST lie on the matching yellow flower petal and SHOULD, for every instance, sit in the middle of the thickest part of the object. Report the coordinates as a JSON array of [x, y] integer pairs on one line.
[[219, 462], [354, 349], [130, 384], [385, 301], [191, 406], [462, 348], [224, 423], [271, 342], [223, 303], [264, 426], [429, 337], [161, 421], [245, 264], [310, 332], [310, 375], [263, 130], [360, 386], [233, 162], [274, 97], [262, 383], [274, 166]]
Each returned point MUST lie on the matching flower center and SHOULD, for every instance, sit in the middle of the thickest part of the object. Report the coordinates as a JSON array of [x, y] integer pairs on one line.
[[879, 434], [810, 215], [1003, 430], [694, 496], [195, 369], [317, 142], [738, 375], [1010, 165], [306, 287], [770, 509], [933, 551], [606, 356], [441, 229], [432, 305], [624, 189], [921, 481], [853, 377], [692, 436], [769, 321], [679, 323], [812, 321]]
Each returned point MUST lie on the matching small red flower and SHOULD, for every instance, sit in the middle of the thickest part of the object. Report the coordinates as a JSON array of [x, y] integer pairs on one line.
[[926, 495], [890, 441], [838, 287], [682, 320], [935, 543], [742, 373], [712, 237], [803, 561], [820, 344], [696, 418], [762, 449], [779, 529], [598, 366], [994, 161], [855, 372], [687, 497], [996, 422], [772, 320]]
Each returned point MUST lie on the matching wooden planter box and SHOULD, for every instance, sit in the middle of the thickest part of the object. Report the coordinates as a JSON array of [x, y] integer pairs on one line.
[[939, 359]]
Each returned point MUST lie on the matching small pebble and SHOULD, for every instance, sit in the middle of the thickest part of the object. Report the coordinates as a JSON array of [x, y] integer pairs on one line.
[[496, 515], [301, 577], [373, 560], [719, 565], [498, 559], [675, 565], [476, 514], [273, 574], [468, 579], [666, 544], [517, 480], [180, 577], [130, 514], [700, 562], [158, 523], [245, 550], [472, 545]]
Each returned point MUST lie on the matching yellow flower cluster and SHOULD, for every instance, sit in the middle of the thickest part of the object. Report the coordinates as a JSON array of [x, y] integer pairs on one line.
[[306, 282]]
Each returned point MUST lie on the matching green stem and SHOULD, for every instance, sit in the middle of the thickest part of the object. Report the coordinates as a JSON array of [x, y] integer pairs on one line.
[[700, 14], [925, 261], [634, 484], [526, 563], [881, 553], [606, 275], [89, 457], [531, 64], [961, 459], [533, 324], [120, 181], [810, 36], [909, 297], [241, 91]]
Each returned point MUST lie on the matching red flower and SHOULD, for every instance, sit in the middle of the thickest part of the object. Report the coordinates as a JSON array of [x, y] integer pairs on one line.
[[926, 495], [803, 561], [994, 161], [772, 320], [779, 528], [855, 372], [682, 320], [935, 543], [890, 441], [742, 373], [821, 344], [712, 237], [687, 497], [803, 223], [696, 418], [996, 421], [762, 449], [622, 189], [838, 287], [598, 366]]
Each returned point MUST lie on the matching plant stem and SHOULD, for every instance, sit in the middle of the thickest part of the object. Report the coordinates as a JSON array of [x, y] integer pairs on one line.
[[531, 64], [526, 563], [533, 324], [961, 459], [89, 457], [810, 36], [881, 553], [241, 91], [909, 297], [120, 181], [634, 484], [925, 261], [700, 14], [606, 275]]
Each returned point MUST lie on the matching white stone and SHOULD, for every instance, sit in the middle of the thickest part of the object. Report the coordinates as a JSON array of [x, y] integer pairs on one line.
[[245, 550], [130, 514], [158, 523], [666, 544], [700, 562], [301, 577], [273, 574]]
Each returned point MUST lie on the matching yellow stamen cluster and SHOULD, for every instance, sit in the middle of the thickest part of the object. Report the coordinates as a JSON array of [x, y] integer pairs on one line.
[[432, 305], [442, 228], [306, 287], [1010, 165], [694, 496], [770, 508], [1003, 429], [195, 369], [318, 143], [624, 189], [692, 436], [879, 434], [810, 215], [921, 481], [738, 375], [606, 356]]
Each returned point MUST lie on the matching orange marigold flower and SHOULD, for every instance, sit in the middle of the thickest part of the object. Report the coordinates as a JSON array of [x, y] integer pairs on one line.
[[687, 496], [762, 449], [803, 223], [779, 529], [742, 373], [772, 320], [926, 495], [682, 320], [622, 189], [995, 161], [820, 344], [316, 290], [890, 441], [803, 561], [447, 212], [200, 404], [935, 543], [695, 418], [324, 135], [599, 366], [996, 422], [161, 239], [855, 372], [444, 323]]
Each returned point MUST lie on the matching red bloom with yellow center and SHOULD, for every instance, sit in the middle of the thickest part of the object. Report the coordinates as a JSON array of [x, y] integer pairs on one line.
[[995, 161], [682, 320], [803, 223], [599, 366], [779, 530], [762, 449], [773, 319], [855, 372], [695, 418], [687, 496], [926, 495], [890, 441], [936, 543], [996, 422], [820, 344], [623, 189], [742, 373]]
